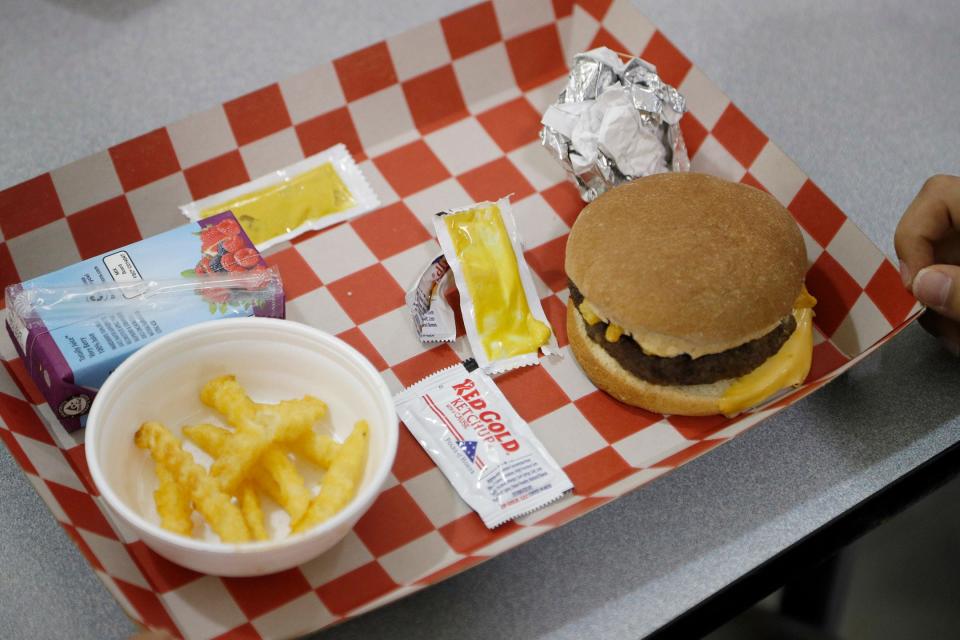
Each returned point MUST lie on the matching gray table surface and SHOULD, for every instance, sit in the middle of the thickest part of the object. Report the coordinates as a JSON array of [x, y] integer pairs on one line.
[[862, 94]]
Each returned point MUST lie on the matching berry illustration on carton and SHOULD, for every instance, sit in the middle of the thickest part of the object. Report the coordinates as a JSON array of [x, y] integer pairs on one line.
[[224, 248]]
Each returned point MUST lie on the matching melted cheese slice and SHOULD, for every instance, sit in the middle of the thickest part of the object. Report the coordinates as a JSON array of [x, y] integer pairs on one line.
[[786, 368], [589, 313], [613, 332]]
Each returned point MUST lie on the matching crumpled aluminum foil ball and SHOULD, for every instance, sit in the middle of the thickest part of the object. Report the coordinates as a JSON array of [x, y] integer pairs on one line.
[[614, 121]]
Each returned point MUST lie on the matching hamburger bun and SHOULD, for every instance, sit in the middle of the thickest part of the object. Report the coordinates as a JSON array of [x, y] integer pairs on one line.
[[686, 262]]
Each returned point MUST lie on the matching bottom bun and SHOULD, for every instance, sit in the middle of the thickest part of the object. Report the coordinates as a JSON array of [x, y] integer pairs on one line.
[[608, 375]]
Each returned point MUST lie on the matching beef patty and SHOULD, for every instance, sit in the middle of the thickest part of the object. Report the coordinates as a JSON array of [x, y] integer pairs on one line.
[[683, 369]]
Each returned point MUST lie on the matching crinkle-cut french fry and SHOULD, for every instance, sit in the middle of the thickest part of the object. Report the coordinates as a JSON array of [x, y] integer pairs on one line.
[[293, 420], [294, 495], [225, 394], [289, 419], [252, 513], [213, 504], [209, 437], [284, 421], [173, 503], [257, 426], [213, 440], [240, 454], [317, 448], [275, 474], [340, 483]]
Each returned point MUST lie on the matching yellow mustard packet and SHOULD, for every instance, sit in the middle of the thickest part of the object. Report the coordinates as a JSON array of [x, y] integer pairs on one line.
[[319, 191], [502, 314]]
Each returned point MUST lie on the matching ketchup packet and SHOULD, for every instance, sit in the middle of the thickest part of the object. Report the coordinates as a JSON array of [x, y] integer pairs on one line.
[[484, 448], [502, 314], [432, 315]]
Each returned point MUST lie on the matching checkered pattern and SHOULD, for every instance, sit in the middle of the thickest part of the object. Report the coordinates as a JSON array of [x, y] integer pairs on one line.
[[449, 116]]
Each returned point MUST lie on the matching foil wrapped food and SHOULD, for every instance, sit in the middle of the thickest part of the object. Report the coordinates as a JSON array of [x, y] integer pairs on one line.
[[613, 122]]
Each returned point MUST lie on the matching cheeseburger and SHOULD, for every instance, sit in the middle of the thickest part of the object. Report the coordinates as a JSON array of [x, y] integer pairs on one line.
[[687, 296]]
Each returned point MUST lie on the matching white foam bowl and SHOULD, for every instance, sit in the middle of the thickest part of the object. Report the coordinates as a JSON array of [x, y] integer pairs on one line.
[[274, 360]]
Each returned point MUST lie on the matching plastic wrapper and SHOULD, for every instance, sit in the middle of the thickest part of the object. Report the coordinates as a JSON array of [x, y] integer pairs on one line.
[[317, 192], [502, 314], [613, 122], [483, 447], [74, 326], [432, 314], [62, 306]]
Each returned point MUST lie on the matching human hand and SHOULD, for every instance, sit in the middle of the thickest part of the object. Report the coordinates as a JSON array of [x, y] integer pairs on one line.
[[927, 242]]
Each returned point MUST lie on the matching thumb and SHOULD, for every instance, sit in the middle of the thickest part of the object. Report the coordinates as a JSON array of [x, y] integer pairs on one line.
[[938, 287]]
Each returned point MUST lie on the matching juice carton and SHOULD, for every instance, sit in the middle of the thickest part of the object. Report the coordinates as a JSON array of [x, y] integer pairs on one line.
[[74, 326]]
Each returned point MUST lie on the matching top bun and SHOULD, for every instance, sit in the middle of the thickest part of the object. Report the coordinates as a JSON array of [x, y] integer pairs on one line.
[[686, 262]]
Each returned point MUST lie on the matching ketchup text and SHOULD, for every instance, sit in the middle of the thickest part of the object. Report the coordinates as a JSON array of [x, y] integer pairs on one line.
[[473, 413]]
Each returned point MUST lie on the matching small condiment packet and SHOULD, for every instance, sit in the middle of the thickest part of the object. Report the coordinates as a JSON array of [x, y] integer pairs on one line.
[[502, 314], [432, 315], [484, 448], [316, 192]]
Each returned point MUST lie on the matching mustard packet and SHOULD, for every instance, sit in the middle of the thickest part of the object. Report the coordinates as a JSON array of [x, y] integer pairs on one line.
[[317, 192], [505, 323]]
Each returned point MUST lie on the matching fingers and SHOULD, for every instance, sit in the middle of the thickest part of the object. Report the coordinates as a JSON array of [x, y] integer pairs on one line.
[[944, 328], [931, 217], [938, 287], [928, 234], [948, 250]]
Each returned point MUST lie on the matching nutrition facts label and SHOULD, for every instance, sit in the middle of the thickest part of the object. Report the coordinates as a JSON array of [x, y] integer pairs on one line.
[[122, 329]]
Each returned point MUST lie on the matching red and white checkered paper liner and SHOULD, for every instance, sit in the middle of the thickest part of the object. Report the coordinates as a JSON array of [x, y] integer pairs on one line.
[[440, 116]]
